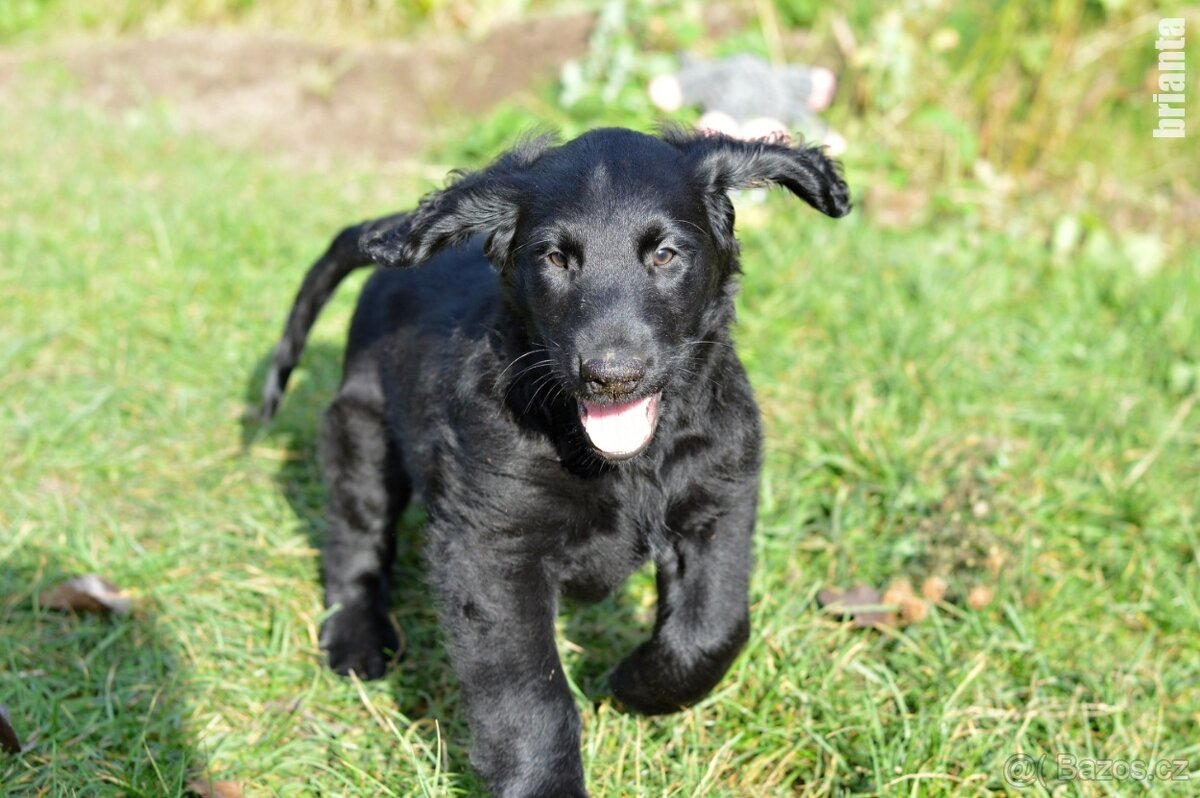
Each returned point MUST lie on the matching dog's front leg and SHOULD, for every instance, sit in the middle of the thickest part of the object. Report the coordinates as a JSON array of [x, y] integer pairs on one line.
[[365, 498], [703, 607], [498, 609]]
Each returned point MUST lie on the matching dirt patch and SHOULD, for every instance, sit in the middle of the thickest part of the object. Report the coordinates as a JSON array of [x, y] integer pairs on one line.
[[287, 95]]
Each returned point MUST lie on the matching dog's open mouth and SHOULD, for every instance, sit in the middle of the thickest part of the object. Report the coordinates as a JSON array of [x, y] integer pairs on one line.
[[622, 430]]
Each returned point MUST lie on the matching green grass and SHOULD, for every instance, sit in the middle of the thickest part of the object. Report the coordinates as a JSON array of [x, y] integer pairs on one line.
[[952, 399]]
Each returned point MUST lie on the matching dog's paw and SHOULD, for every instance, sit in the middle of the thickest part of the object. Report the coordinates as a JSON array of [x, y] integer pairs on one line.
[[359, 644], [565, 788], [654, 680], [643, 683]]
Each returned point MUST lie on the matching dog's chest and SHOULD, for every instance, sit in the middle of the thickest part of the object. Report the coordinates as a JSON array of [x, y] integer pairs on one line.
[[610, 540]]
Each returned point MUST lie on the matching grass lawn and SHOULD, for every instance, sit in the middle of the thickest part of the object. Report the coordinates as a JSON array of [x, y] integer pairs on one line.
[[950, 400]]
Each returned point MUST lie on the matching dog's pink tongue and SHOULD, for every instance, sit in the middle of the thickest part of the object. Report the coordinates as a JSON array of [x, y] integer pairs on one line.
[[620, 429]]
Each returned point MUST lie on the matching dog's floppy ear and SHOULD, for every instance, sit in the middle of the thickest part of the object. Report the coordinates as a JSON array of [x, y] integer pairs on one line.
[[721, 163], [483, 202]]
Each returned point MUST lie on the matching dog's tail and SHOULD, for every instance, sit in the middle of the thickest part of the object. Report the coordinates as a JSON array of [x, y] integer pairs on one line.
[[343, 256]]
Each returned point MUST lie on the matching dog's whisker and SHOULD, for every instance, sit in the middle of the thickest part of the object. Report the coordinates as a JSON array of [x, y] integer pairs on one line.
[[532, 244], [539, 364], [516, 380], [517, 360], [698, 375], [542, 382], [691, 359], [701, 230], [711, 343]]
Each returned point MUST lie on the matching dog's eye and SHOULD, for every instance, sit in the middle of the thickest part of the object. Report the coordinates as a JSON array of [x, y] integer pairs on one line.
[[557, 259], [662, 256]]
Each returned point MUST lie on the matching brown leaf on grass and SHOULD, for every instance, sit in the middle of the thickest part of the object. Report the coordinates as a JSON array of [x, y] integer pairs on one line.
[[913, 608], [980, 596], [863, 604], [207, 788], [900, 589], [9, 741], [87, 593], [934, 589]]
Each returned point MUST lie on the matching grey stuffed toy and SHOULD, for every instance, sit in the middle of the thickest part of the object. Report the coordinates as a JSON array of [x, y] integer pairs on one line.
[[746, 97]]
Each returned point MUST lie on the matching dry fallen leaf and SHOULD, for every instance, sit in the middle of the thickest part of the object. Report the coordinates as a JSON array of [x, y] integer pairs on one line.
[[863, 604], [934, 589], [207, 788], [87, 593], [899, 590], [980, 596], [913, 608], [9, 742]]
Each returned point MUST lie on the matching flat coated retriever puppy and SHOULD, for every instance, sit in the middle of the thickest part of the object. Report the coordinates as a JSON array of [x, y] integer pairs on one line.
[[557, 382]]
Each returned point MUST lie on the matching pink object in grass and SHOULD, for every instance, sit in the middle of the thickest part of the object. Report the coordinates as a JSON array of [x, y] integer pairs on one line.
[[824, 84], [765, 128], [666, 93], [719, 122]]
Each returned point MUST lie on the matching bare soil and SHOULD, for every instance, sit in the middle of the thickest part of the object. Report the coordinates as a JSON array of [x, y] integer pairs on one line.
[[296, 97]]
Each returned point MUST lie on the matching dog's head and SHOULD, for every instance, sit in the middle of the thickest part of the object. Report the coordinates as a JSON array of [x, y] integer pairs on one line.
[[614, 250]]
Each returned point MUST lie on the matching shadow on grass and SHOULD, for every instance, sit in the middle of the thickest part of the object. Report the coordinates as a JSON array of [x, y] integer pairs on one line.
[[98, 702], [422, 680], [601, 634]]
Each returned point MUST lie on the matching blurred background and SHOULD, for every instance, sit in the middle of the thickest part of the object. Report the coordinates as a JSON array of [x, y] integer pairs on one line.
[[979, 388], [951, 108]]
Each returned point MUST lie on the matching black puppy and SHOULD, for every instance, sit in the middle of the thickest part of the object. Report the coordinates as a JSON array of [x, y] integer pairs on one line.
[[557, 383]]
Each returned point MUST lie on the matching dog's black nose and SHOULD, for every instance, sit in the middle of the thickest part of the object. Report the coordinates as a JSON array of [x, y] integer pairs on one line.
[[612, 375]]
